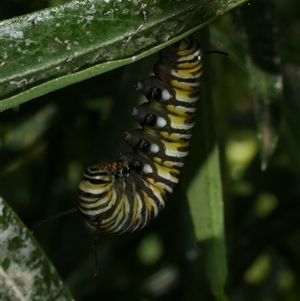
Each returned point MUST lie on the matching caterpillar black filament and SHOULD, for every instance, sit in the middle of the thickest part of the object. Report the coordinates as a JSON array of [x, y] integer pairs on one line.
[[125, 195]]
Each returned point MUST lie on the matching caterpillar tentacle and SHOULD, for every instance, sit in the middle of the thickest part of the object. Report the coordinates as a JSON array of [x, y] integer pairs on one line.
[[127, 194]]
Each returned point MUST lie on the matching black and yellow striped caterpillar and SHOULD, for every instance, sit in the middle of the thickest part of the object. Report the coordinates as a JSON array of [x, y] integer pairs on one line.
[[125, 195]]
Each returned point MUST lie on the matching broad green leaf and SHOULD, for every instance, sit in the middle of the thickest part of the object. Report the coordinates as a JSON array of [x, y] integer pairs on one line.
[[53, 48], [265, 80], [26, 273], [205, 192]]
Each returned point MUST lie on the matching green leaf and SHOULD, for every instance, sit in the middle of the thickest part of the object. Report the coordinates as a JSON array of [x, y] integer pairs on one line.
[[205, 192], [26, 273], [265, 79], [267, 94], [291, 109], [55, 47]]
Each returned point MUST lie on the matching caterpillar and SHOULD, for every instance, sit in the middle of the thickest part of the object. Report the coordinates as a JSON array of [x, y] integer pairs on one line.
[[126, 195]]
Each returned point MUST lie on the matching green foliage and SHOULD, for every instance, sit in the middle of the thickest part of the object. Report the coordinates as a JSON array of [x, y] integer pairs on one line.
[[47, 143], [53, 48], [26, 273]]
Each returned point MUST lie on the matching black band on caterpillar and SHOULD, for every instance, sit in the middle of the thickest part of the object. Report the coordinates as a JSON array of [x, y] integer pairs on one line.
[[125, 195]]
